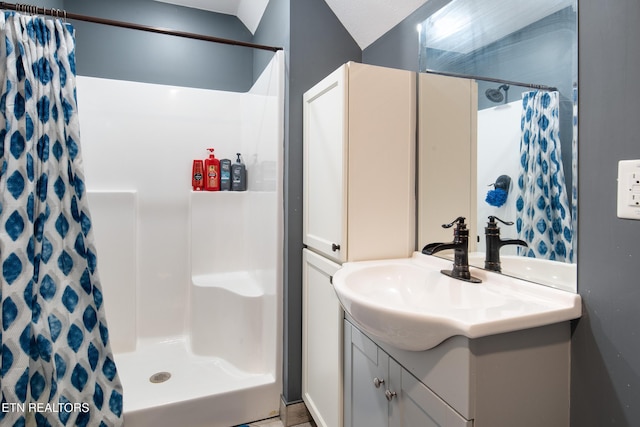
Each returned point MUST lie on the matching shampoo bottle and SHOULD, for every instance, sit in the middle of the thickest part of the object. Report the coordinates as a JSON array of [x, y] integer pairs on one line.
[[212, 172], [225, 174], [238, 175], [197, 175]]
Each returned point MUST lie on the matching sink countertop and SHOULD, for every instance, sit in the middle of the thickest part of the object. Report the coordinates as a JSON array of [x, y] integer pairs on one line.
[[408, 303]]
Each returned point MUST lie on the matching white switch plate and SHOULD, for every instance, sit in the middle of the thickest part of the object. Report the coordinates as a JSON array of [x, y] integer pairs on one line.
[[629, 189]]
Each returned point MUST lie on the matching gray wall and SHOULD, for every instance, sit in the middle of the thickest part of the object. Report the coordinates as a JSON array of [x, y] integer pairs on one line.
[[49, 4], [319, 45], [273, 30], [606, 341], [122, 54], [605, 389], [116, 53]]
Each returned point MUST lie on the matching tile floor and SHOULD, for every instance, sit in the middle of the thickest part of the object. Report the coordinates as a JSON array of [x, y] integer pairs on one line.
[[275, 422]]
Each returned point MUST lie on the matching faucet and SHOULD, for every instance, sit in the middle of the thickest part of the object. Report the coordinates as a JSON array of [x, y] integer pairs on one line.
[[460, 246], [494, 243]]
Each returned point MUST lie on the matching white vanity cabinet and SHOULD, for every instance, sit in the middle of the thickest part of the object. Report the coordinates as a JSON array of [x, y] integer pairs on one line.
[[379, 392], [359, 146], [514, 379]]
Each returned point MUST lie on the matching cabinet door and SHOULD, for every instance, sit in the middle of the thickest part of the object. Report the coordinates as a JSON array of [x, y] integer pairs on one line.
[[321, 341], [365, 404], [417, 405], [324, 145]]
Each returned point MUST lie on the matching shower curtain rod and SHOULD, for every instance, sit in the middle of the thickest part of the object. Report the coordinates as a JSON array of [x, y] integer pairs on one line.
[[34, 10], [494, 80]]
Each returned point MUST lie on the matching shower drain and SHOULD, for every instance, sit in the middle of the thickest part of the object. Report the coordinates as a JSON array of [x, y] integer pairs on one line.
[[159, 377]]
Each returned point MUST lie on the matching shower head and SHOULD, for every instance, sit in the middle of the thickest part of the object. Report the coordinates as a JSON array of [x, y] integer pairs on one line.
[[494, 95]]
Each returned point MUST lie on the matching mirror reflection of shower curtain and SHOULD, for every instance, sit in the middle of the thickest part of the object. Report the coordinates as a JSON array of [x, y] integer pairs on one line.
[[57, 367], [574, 173], [543, 217]]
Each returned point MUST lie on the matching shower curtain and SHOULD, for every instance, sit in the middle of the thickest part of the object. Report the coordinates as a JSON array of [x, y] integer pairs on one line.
[[543, 215], [56, 368], [574, 172]]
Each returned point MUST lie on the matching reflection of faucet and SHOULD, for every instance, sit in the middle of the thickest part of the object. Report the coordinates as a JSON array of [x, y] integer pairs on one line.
[[494, 243], [460, 246]]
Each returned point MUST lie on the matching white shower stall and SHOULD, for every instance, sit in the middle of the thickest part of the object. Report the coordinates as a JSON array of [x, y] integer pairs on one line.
[[192, 281]]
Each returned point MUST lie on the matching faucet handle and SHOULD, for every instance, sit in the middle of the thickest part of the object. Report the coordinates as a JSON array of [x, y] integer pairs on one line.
[[459, 221], [492, 220]]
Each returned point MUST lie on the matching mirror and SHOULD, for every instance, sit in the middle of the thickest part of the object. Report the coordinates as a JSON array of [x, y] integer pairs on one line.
[[481, 66]]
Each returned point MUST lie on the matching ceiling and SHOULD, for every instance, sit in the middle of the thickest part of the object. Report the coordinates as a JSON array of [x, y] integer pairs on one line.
[[368, 20], [365, 20]]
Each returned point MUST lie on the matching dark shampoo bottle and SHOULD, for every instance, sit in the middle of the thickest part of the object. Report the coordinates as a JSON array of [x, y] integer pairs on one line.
[[238, 175]]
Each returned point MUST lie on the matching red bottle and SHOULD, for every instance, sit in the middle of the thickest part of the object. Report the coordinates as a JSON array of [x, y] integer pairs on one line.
[[212, 173], [197, 175]]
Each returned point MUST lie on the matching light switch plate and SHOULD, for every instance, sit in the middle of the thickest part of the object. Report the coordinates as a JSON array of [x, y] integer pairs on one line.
[[629, 189]]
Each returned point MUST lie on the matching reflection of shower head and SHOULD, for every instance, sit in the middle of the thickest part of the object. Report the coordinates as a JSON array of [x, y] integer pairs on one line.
[[494, 95]]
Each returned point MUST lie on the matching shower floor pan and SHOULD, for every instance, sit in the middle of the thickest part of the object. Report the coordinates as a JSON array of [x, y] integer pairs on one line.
[[165, 385]]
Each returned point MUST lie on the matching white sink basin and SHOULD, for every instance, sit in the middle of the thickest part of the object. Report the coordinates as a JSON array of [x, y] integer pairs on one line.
[[409, 304]]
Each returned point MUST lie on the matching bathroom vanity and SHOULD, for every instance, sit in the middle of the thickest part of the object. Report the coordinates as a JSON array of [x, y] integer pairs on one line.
[[415, 347], [424, 349], [514, 379]]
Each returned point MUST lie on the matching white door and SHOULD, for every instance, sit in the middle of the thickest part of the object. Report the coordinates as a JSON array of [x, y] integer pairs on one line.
[[321, 341], [324, 165]]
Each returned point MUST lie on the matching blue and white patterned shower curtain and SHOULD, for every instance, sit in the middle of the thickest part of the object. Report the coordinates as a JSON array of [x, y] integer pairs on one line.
[[543, 213], [574, 173], [57, 368]]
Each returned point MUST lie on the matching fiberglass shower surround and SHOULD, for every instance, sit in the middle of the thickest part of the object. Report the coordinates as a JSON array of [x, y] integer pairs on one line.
[[192, 280], [144, 220]]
